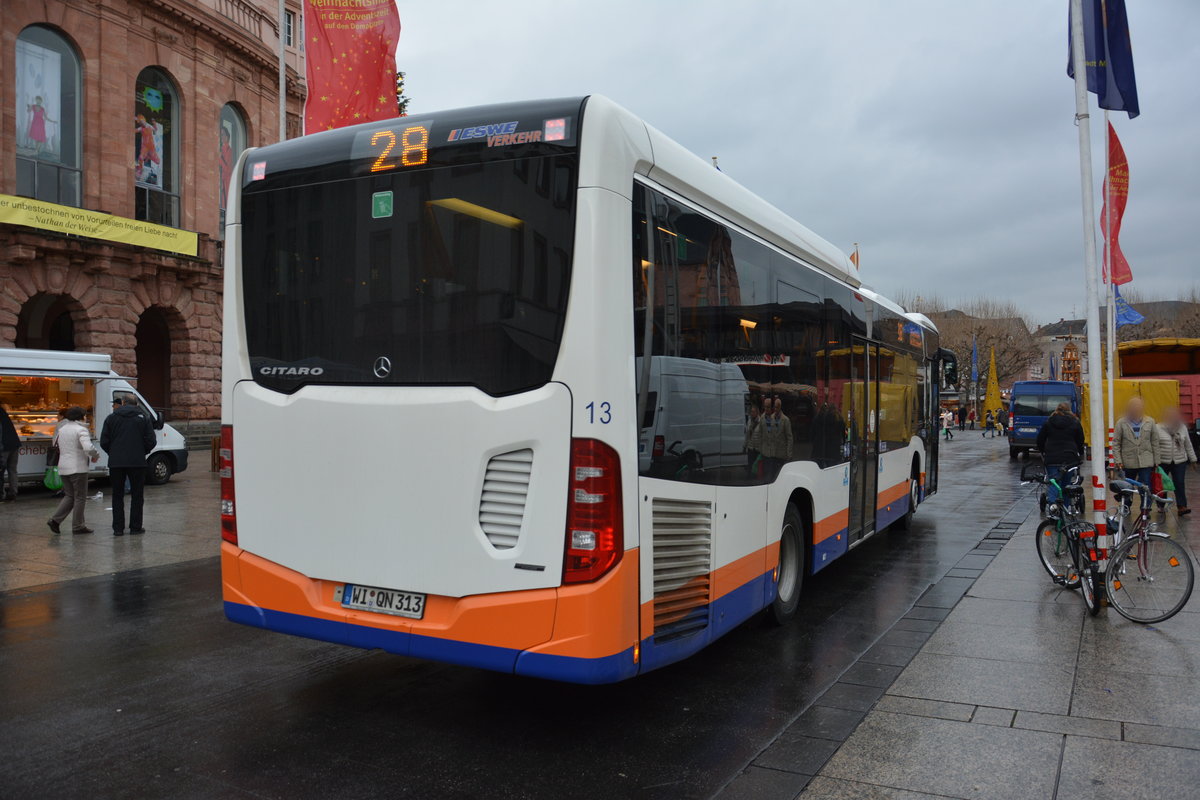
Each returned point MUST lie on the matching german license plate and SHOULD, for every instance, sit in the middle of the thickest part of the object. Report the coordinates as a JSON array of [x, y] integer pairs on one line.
[[384, 601]]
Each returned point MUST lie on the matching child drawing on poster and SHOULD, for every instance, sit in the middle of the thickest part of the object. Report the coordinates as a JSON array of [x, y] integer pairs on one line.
[[37, 124]]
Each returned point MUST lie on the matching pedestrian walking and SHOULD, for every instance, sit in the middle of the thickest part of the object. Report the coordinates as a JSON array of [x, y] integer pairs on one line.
[[1135, 442], [10, 451], [75, 456], [1175, 453], [127, 437], [1060, 441], [948, 424], [971, 420], [752, 424], [962, 418], [1002, 421], [989, 425]]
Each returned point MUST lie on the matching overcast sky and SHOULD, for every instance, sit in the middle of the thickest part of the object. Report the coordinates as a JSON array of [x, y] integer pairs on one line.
[[938, 134]]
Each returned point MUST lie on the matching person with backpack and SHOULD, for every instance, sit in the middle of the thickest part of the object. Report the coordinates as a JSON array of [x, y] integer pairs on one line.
[[1060, 441], [1002, 421], [127, 437]]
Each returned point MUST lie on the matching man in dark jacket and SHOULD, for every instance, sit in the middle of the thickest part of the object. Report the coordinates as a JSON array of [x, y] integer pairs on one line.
[[127, 437], [1060, 441], [10, 451]]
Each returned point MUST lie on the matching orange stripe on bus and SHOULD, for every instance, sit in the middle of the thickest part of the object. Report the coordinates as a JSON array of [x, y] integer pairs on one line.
[[830, 526], [892, 495]]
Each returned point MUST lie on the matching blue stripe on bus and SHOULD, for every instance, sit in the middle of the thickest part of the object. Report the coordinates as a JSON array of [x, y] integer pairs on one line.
[[883, 517], [727, 612], [826, 552]]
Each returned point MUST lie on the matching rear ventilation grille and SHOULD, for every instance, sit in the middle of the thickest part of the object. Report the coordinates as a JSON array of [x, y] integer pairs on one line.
[[682, 566], [502, 505]]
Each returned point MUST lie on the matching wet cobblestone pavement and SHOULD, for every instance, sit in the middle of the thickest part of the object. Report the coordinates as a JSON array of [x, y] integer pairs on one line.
[[128, 682]]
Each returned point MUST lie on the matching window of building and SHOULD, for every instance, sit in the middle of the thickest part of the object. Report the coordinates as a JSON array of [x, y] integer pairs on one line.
[[231, 142], [48, 117], [289, 28], [156, 148]]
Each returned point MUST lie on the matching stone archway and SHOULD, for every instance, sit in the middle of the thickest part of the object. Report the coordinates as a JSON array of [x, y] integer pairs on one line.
[[152, 354], [48, 322]]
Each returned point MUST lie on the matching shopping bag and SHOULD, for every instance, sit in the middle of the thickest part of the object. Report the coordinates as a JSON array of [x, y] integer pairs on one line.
[[52, 480], [1165, 481]]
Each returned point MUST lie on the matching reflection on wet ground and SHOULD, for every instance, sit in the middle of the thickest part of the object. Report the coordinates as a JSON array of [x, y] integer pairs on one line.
[[135, 684]]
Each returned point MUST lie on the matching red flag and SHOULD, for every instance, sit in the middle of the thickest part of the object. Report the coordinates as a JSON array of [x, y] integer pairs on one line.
[[350, 62], [1116, 186]]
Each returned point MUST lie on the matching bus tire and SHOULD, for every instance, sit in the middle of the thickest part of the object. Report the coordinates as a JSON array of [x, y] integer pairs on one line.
[[791, 568], [159, 469], [1013, 452], [914, 492]]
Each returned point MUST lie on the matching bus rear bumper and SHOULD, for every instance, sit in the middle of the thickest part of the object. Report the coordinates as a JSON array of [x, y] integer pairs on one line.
[[570, 634]]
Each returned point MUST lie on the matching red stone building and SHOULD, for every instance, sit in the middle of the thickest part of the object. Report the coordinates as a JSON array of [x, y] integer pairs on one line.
[[135, 108]]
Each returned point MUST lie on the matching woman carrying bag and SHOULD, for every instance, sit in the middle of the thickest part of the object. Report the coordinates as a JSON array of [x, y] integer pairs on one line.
[[75, 454], [1175, 453]]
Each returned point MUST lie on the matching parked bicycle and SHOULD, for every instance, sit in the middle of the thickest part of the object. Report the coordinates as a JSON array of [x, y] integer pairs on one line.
[[1066, 543], [1150, 576]]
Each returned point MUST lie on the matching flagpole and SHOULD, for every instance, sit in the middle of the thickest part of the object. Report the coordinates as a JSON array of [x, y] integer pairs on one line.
[[1111, 316], [282, 74], [1086, 188]]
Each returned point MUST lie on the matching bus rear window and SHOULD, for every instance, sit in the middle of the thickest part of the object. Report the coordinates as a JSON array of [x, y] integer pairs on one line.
[[446, 276]]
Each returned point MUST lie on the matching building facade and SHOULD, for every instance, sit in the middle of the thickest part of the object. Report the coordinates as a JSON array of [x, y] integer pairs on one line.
[[137, 109]]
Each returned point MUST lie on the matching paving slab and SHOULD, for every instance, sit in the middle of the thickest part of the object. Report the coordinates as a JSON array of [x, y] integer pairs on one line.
[[757, 783], [939, 709], [825, 722], [850, 696], [1099, 769], [1074, 726], [802, 754], [944, 757], [1032, 646], [822, 788], [867, 674], [987, 682], [895, 655], [1000, 717], [1137, 697], [1188, 738]]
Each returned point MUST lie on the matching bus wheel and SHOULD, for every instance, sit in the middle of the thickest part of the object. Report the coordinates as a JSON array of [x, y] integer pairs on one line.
[[791, 567], [158, 469], [1013, 452], [905, 522]]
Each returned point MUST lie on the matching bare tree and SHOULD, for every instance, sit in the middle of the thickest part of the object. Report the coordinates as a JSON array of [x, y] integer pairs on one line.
[[989, 323], [1175, 317]]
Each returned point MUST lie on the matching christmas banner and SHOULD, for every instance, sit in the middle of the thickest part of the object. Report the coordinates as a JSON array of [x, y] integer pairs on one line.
[[350, 54], [1116, 189]]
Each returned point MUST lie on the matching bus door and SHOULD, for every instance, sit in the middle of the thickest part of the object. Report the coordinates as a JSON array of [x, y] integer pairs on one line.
[[864, 438]]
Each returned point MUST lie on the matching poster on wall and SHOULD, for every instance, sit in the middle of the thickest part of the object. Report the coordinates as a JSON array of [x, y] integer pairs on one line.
[[149, 115], [39, 102]]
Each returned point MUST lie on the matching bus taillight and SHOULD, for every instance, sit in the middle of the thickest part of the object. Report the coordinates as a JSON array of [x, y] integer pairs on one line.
[[595, 538], [228, 515]]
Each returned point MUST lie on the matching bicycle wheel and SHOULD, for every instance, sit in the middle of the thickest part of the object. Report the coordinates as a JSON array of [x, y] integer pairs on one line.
[[1054, 553], [1084, 569], [1150, 579]]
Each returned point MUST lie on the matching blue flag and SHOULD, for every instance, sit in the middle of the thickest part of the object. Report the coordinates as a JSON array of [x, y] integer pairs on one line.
[[1125, 313], [974, 361], [1053, 369], [1108, 54]]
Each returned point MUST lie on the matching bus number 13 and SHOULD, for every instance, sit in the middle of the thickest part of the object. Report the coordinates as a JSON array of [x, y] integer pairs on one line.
[[601, 413]]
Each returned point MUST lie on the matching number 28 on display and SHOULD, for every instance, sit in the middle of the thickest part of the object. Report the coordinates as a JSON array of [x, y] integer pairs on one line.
[[408, 148]]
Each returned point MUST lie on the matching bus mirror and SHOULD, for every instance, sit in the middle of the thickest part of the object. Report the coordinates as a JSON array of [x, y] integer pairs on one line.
[[949, 367]]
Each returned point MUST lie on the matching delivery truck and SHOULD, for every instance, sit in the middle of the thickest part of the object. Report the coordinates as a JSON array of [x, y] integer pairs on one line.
[[35, 385]]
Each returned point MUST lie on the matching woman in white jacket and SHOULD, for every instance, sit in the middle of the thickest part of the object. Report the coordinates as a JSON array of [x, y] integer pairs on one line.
[[75, 454], [1175, 453]]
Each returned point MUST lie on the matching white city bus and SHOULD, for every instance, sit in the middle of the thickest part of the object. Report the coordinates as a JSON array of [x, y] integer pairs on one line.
[[458, 417]]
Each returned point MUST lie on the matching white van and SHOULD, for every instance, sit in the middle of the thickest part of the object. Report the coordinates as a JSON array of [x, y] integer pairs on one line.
[[36, 384], [695, 417]]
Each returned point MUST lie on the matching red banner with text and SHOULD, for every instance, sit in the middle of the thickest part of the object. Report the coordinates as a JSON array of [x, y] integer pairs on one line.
[[1116, 191], [350, 56]]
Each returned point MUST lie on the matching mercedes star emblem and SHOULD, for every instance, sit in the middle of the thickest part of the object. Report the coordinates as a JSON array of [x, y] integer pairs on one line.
[[383, 367]]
